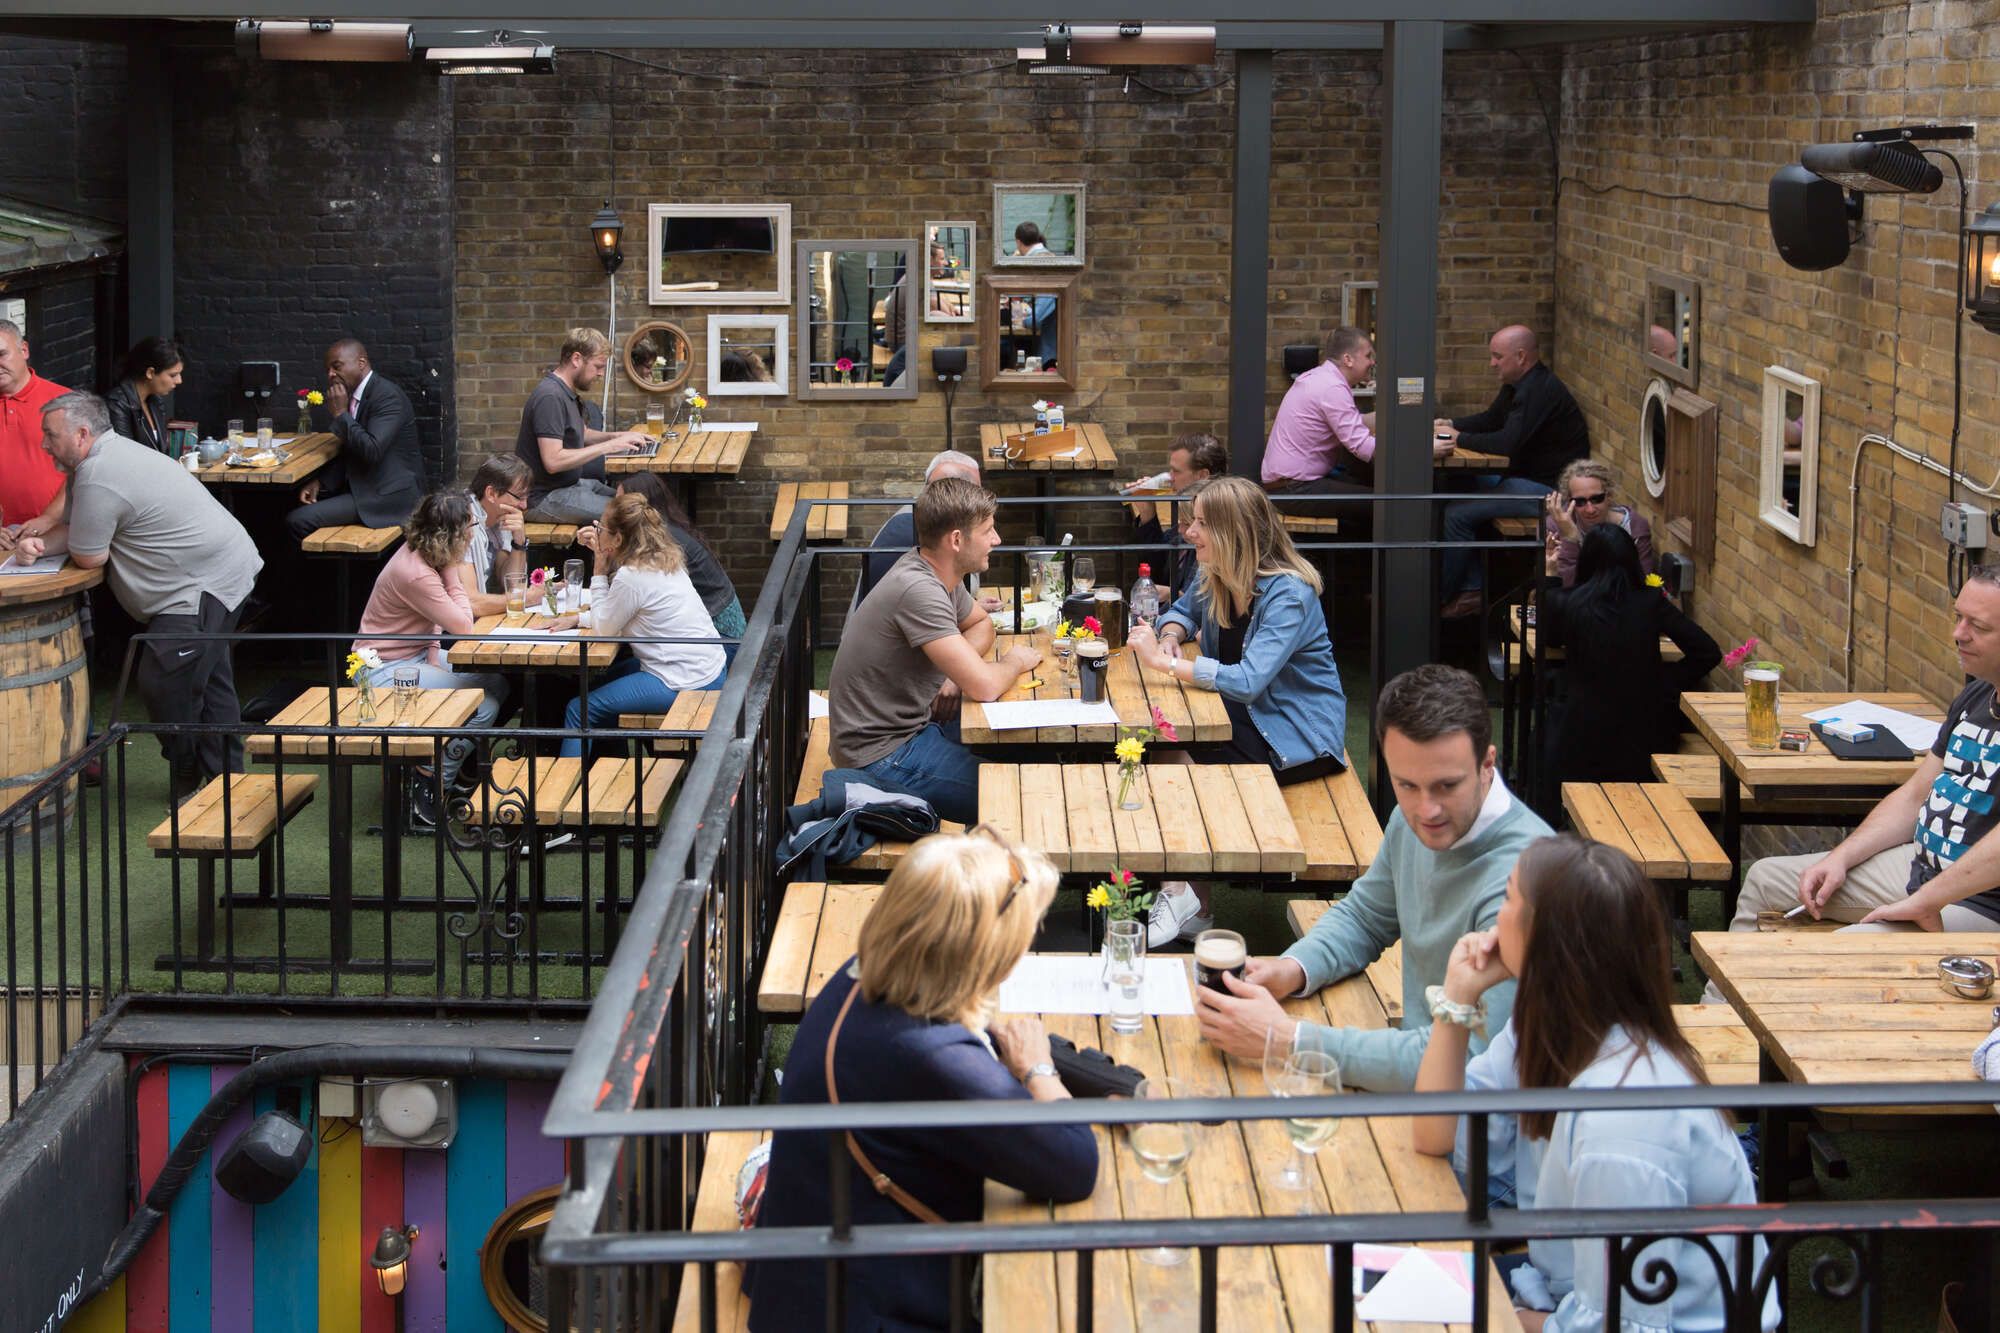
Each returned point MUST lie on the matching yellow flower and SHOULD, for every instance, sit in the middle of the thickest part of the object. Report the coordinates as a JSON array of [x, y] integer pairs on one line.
[[316, 398], [353, 665], [1655, 581], [1130, 750], [1062, 629], [1100, 897]]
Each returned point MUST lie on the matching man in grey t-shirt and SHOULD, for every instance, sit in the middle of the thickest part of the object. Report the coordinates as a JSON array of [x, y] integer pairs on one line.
[[564, 453], [179, 564], [916, 644]]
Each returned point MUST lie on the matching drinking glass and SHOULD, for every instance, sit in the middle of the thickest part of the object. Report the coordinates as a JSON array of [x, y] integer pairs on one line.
[[572, 586], [1066, 659], [1082, 574], [1125, 974], [1163, 1150], [235, 436], [1292, 1072], [404, 681], [517, 593], [656, 420], [264, 434], [1760, 704]]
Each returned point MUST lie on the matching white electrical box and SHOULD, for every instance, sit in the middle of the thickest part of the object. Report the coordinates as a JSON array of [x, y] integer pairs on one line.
[[337, 1100], [1964, 525]]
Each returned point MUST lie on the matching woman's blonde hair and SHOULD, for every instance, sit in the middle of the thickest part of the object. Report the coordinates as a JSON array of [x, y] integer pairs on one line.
[[1247, 540], [1585, 467], [958, 912], [438, 529], [637, 537]]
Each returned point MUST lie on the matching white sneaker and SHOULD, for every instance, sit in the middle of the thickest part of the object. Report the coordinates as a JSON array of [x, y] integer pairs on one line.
[[1176, 914]]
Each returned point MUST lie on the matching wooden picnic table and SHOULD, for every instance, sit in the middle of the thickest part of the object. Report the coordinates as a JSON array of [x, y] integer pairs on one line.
[[1524, 634], [1197, 715], [700, 451], [1471, 460], [479, 652], [826, 523], [305, 455], [1370, 1167], [1097, 454], [1193, 819]]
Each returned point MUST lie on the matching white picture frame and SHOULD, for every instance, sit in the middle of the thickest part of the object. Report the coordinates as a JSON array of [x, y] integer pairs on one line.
[[780, 383], [1011, 199], [701, 291], [951, 298], [1798, 521]]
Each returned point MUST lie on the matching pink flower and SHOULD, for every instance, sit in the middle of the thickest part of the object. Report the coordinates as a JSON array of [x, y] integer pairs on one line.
[[843, 365], [1164, 727], [539, 576], [1093, 624], [1740, 654], [1125, 877]]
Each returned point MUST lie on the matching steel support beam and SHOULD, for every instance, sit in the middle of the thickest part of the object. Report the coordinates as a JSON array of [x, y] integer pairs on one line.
[[1406, 599], [1250, 263], [149, 183]]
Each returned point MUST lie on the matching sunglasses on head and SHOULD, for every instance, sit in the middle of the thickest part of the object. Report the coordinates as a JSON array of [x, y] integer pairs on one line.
[[1020, 876]]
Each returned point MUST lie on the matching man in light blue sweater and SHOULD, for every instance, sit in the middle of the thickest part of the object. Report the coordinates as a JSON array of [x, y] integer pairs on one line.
[[1442, 871]]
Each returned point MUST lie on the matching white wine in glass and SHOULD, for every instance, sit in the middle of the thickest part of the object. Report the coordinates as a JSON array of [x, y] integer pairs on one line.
[[1163, 1149], [1304, 1074]]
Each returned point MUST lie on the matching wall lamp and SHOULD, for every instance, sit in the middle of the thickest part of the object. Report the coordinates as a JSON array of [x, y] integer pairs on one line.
[[605, 231], [1815, 208], [1982, 286], [391, 1260], [324, 39]]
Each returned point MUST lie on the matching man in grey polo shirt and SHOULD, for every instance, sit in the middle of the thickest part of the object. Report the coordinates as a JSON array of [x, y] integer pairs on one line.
[[564, 453], [179, 564]]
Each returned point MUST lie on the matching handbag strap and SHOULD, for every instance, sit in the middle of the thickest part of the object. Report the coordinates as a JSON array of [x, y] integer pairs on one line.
[[876, 1177]]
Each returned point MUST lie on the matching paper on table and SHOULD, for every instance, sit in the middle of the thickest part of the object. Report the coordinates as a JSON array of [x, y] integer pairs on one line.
[[1068, 453], [1049, 713], [727, 425], [1919, 733], [1074, 984], [1421, 1286], [816, 706], [48, 564]]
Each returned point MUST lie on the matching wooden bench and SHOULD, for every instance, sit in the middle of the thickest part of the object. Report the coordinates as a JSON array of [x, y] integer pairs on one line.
[[1306, 525], [255, 812], [516, 787], [1726, 1045], [1337, 825], [1517, 526], [618, 794], [550, 534], [347, 544], [883, 856], [1651, 822], [715, 1210], [826, 523], [1698, 777], [816, 932]]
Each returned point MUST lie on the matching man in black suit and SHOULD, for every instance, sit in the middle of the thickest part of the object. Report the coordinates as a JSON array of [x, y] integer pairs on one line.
[[377, 477]]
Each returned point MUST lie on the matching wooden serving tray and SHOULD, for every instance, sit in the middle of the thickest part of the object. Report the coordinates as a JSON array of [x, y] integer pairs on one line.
[[1032, 448]]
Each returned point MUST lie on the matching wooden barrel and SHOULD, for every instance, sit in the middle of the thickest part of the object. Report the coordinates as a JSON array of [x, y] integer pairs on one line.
[[44, 680]]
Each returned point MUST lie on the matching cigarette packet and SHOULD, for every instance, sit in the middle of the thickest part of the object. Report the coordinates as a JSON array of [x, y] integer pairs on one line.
[[1853, 732]]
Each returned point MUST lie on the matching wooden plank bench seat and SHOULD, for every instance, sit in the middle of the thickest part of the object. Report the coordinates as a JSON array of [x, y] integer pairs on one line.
[[817, 928], [1337, 825], [506, 796], [883, 856], [1727, 1047], [550, 534], [715, 1210], [826, 523], [255, 812], [1516, 526], [1651, 822], [615, 792], [352, 539], [1698, 777], [1308, 525]]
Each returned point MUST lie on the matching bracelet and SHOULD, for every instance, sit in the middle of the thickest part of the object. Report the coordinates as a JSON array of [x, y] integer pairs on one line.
[[1451, 1011]]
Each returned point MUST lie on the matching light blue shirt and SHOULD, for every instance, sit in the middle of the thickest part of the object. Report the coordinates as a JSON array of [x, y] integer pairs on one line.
[[1629, 1160]]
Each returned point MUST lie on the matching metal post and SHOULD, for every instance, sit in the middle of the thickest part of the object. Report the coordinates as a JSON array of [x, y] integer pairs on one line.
[[149, 182], [1406, 347], [1249, 263]]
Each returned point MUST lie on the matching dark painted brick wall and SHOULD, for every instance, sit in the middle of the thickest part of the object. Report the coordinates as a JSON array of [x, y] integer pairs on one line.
[[62, 120]]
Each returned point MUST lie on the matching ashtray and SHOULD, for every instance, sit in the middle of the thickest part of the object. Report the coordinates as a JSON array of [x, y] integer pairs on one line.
[[1966, 977], [1793, 739]]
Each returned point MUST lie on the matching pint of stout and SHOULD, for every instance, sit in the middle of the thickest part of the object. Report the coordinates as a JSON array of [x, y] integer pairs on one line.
[[1217, 952], [1092, 656]]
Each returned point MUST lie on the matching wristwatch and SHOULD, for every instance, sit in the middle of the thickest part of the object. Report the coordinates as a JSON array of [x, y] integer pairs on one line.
[[1042, 1070]]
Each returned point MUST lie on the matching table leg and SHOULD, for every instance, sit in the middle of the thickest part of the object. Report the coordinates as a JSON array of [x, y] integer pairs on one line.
[[392, 833], [1774, 1132], [340, 864], [1732, 839]]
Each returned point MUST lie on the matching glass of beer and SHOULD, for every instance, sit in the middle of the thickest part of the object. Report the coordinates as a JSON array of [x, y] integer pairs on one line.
[[1760, 704], [1163, 1150], [1217, 952], [517, 593], [656, 420], [1092, 657]]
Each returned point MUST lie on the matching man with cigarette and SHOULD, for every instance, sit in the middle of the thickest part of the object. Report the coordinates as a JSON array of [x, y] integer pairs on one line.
[[1922, 858]]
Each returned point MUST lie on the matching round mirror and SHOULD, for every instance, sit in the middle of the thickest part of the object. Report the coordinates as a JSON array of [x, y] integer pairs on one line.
[[658, 356], [510, 1262], [1653, 437]]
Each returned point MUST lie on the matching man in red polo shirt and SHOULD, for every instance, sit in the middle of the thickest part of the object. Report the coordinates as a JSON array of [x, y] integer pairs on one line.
[[29, 479]]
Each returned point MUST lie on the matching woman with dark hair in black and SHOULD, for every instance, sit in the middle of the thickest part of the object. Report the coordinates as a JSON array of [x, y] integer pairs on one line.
[[718, 594], [1623, 702], [138, 401]]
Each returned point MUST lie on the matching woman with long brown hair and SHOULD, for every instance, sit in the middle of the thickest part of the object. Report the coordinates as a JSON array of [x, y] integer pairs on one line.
[[1583, 934]]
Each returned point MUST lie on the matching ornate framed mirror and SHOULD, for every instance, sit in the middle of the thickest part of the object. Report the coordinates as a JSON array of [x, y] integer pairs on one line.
[[510, 1262], [657, 356]]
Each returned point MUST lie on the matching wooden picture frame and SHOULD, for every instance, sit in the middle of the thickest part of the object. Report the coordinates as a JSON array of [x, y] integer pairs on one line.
[[1055, 206], [1001, 345], [723, 383], [1670, 327], [823, 338], [1789, 503], [648, 339], [665, 287], [951, 294]]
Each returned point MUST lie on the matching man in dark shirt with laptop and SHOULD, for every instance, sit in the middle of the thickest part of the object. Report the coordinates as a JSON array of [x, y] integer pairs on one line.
[[1537, 426]]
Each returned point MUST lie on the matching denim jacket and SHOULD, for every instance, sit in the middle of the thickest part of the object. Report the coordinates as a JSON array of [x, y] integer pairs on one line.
[[1286, 679]]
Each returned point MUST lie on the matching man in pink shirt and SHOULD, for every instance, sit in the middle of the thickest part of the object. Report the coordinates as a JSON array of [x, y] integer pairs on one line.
[[1316, 422]]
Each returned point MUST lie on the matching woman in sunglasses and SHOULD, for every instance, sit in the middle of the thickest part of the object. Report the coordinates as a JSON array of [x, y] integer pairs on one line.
[[911, 1018], [1581, 501]]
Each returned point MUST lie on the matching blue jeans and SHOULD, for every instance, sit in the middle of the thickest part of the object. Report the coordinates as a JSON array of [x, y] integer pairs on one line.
[[625, 688], [430, 677], [1463, 519], [935, 765]]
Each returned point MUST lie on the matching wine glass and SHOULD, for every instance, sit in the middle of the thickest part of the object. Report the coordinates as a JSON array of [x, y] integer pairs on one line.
[[1163, 1149], [404, 681], [1082, 574], [1290, 1071]]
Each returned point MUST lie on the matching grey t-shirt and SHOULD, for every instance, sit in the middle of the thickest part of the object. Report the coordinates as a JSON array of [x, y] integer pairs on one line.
[[882, 685], [553, 412], [169, 540]]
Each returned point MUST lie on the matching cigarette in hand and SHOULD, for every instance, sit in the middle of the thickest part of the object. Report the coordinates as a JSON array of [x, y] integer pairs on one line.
[[1795, 911]]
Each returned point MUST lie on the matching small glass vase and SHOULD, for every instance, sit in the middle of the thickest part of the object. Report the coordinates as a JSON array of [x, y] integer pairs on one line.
[[366, 712], [694, 420], [1128, 781], [305, 420]]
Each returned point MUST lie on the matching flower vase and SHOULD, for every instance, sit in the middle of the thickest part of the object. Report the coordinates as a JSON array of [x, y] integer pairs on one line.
[[366, 712], [1128, 798], [694, 420], [305, 420]]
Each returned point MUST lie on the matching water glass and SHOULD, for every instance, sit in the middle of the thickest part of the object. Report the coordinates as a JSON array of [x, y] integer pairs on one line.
[[572, 586], [404, 680], [1163, 1150], [517, 593], [1125, 974], [264, 434], [1066, 658], [235, 436]]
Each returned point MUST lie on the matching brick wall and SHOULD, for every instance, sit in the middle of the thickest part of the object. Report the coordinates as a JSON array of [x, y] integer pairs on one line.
[[63, 123], [875, 145], [1667, 146]]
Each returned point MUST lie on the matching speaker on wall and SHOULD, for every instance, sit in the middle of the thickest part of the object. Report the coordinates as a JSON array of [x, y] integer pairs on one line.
[[1809, 218], [264, 1159]]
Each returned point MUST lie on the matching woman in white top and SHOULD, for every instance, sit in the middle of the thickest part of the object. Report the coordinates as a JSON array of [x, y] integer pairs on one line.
[[650, 596], [1583, 932]]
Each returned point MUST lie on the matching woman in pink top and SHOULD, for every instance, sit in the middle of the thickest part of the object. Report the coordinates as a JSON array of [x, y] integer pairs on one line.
[[418, 593]]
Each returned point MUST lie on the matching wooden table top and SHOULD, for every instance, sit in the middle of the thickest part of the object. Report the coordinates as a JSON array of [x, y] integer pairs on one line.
[[826, 523], [1098, 453], [1718, 716], [1193, 819], [477, 652], [1370, 1167], [695, 451], [1853, 1008], [1471, 460], [434, 709], [1197, 715], [1669, 650], [305, 455], [27, 589]]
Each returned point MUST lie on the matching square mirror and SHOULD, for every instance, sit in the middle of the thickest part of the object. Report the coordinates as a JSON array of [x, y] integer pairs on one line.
[[857, 319], [1027, 335], [1788, 460], [948, 276], [719, 254], [746, 356], [1038, 226], [1357, 311], [1670, 327]]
